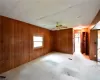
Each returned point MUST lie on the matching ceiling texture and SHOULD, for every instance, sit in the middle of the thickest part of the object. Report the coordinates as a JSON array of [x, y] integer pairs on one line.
[[46, 13]]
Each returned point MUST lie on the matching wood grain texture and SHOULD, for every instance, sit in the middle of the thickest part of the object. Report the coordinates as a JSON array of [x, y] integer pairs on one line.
[[93, 44], [87, 41], [92, 35], [0, 40], [63, 41], [16, 43], [96, 19]]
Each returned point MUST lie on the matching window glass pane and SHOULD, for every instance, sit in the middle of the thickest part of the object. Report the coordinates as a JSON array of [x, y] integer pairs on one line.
[[38, 44], [37, 38]]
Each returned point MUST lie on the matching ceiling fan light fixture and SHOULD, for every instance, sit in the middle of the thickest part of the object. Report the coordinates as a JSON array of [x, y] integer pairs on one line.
[[59, 26]]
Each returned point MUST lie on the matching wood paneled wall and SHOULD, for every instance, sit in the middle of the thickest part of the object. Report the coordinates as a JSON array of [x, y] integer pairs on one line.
[[92, 37], [0, 40], [63, 41], [93, 44], [17, 45], [16, 42]]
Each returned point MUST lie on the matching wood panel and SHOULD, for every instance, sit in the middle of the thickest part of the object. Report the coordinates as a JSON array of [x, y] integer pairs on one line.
[[96, 19], [93, 44], [63, 41], [87, 41], [1, 62], [84, 46], [0, 40], [17, 43], [92, 35]]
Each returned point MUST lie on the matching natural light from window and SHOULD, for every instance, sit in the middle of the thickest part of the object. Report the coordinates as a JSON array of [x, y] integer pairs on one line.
[[37, 41]]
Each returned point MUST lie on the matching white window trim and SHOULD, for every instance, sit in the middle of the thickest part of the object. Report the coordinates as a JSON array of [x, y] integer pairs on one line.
[[37, 41]]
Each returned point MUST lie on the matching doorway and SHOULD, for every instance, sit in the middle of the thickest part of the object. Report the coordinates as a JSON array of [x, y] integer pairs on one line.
[[77, 42], [81, 42]]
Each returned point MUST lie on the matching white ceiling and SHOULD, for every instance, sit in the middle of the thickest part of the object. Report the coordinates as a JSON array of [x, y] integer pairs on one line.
[[46, 13]]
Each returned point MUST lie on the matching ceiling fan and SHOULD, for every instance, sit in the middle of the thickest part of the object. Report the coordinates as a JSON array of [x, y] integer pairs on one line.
[[59, 26]]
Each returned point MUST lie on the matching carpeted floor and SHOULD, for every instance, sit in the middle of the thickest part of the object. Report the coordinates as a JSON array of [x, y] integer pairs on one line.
[[57, 66]]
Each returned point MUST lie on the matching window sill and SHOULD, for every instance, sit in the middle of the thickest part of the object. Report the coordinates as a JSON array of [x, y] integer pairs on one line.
[[37, 48]]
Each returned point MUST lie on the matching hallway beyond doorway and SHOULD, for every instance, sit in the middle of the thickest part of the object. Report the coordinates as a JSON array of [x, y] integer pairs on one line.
[[77, 42]]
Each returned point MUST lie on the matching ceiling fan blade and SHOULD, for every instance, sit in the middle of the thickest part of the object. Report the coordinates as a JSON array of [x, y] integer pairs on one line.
[[56, 28], [64, 27]]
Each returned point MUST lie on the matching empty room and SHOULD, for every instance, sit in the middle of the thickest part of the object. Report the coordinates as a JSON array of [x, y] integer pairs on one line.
[[49, 39]]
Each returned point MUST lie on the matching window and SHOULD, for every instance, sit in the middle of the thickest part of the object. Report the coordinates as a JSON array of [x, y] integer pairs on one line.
[[37, 41]]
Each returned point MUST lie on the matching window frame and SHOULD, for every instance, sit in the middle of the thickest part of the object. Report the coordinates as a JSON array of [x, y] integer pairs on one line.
[[38, 41]]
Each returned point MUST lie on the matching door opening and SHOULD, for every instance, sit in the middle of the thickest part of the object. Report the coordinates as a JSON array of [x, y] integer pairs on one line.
[[77, 42], [81, 42]]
